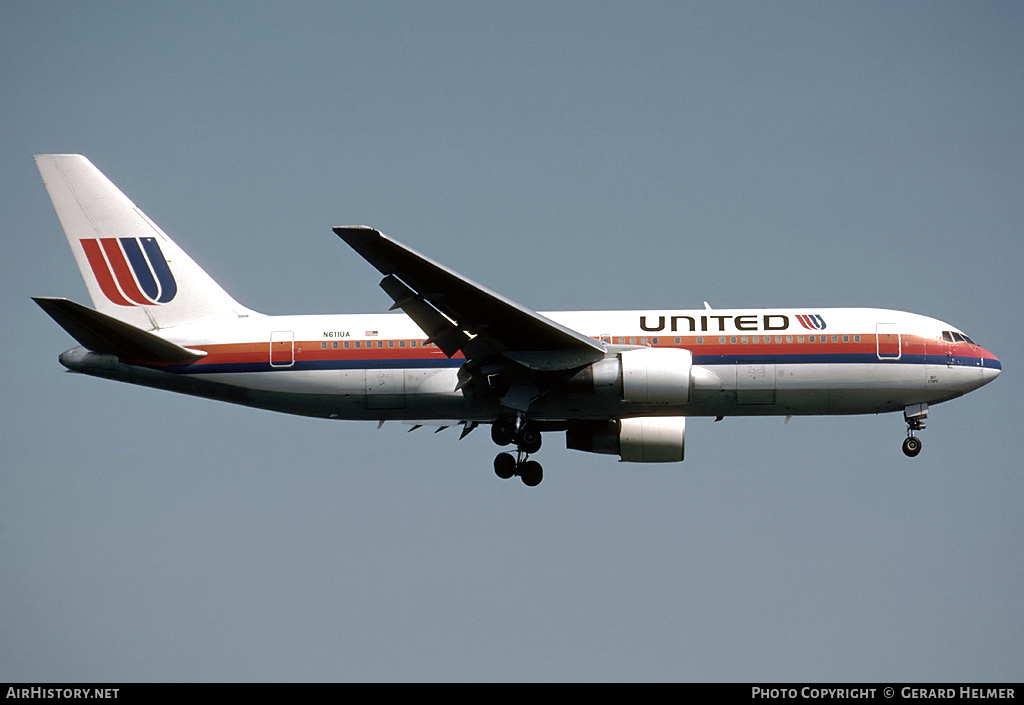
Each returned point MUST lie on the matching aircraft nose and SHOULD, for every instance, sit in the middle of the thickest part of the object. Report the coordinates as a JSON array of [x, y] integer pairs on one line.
[[991, 367]]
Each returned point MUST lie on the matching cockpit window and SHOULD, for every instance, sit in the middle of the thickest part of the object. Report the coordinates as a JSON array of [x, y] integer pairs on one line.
[[952, 336]]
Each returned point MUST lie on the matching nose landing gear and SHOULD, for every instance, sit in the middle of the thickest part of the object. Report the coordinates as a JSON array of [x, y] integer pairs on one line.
[[914, 415], [911, 446], [528, 441]]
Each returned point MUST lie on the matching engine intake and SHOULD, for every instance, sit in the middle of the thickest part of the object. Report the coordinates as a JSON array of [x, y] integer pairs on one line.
[[646, 439]]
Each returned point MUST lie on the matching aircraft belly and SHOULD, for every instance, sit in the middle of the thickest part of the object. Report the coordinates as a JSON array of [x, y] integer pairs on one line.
[[360, 393], [297, 381], [825, 388]]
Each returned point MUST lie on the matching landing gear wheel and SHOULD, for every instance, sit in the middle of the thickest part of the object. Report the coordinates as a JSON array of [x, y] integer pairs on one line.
[[529, 440], [503, 431], [531, 473], [911, 446], [504, 465]]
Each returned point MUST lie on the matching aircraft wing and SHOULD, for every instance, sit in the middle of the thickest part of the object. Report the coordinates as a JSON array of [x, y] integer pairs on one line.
[[460, 315]]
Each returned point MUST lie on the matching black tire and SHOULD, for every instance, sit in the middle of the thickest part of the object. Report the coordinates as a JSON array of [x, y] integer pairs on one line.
[[504, 465], [531, 473], [503, 431], [529, 440], [911, 446]]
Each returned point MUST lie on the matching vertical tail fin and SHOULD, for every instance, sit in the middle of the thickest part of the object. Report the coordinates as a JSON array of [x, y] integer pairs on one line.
[[133, 271]]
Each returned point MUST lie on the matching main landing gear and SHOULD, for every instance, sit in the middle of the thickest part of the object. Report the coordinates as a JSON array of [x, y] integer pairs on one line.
[[527, 440], [914, 416]]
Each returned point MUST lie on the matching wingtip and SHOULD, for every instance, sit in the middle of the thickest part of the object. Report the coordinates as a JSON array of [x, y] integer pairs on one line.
[[353, 228], [357, 234], [56, 155]]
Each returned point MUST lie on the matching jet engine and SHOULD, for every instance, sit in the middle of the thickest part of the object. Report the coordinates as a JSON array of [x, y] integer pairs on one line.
[[643, 375], [648, 439]]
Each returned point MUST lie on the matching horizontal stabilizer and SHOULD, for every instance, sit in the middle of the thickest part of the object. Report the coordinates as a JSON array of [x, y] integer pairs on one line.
[[104, 334]]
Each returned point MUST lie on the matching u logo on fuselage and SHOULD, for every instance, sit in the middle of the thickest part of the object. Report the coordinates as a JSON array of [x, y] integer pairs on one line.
[[811, 321], [131, 271]]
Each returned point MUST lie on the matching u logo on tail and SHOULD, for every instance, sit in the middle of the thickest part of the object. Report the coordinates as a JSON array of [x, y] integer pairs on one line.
[[131, 271]]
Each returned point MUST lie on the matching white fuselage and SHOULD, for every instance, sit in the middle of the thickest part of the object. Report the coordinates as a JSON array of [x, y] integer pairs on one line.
[[744, 362]]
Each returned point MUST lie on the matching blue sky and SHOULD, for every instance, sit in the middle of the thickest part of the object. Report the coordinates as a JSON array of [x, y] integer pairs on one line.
[[568, 155]]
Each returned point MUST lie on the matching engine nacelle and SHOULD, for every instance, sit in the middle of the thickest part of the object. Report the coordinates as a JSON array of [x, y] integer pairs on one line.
[[648, 439], [656, 375], [643, 375]]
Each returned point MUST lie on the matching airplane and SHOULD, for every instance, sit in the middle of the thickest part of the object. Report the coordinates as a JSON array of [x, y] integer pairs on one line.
[[614, 382]]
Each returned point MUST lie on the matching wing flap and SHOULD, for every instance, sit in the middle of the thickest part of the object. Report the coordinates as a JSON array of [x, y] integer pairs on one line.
[[440, 329]]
